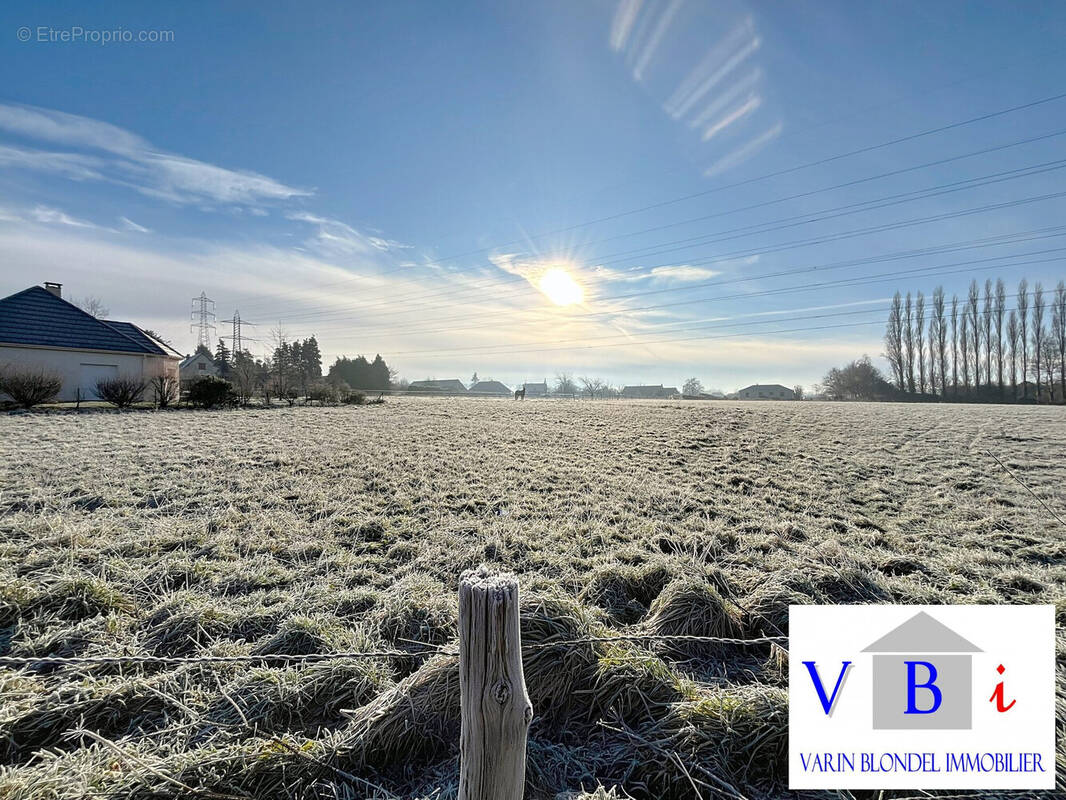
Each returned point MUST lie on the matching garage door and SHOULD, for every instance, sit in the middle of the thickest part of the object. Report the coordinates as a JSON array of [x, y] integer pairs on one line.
[[91, 373]]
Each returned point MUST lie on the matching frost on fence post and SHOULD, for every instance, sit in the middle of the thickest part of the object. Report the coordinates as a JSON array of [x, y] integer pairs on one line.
[[495, 707]]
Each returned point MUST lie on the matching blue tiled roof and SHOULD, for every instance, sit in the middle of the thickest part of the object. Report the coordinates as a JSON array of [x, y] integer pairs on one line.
[[35, 316], [131, 330]]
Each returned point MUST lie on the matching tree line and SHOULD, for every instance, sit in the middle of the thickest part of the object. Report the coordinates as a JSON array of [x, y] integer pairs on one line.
[[293, 370], [976, 348]]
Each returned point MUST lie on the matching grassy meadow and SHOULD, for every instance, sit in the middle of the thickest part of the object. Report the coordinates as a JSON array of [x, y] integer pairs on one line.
[[304, 530]]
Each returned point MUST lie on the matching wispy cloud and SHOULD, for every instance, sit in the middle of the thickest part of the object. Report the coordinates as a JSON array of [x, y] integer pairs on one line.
[[131, 161], [684, 272], [70, 165], [335, 237], [130, 225], [53, 216]]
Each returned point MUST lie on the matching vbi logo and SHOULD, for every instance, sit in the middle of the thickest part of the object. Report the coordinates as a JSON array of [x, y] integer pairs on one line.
[[925, 704]]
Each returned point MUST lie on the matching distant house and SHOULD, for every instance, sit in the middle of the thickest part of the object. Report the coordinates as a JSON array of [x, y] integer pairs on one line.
[[655, 392], [449, 387], [41, 330], [766, 391], [490, 389], [536, 389], [198, 365]]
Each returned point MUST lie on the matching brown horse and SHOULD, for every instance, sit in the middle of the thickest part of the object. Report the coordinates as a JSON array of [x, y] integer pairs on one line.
[[520, 394]]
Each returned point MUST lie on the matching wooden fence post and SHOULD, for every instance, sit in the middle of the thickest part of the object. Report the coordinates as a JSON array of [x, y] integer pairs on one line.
[[496, 711]]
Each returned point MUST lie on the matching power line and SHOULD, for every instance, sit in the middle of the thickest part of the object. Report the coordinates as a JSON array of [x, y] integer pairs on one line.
[[765, 176], [800, 195], [775, 174], [794, 244], [780, 224]]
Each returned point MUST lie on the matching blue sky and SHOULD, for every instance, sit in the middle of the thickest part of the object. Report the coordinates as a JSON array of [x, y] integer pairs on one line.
[[398, 177]]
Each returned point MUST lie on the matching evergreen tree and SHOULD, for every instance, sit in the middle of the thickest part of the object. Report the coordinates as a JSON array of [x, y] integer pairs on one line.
[[311, 359], [379, 374], [222, 358]]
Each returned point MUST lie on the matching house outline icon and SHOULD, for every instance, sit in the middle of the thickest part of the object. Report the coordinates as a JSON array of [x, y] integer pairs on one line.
[[922, 638]]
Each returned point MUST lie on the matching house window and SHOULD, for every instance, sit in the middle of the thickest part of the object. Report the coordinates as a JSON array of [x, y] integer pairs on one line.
[[201, 366]]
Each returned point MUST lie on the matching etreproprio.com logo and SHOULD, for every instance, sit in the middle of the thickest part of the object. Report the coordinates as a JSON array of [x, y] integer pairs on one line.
[[921, 697], [76, 34]]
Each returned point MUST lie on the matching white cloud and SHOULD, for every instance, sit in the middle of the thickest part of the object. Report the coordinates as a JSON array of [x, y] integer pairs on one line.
[[69, 129], [684, 272], [130, 225], [53, 216], [70, 165], [334, 237], [135, 163]]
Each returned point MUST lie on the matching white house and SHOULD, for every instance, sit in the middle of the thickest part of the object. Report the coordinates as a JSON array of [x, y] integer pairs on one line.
[[42, 331], [198, 365]]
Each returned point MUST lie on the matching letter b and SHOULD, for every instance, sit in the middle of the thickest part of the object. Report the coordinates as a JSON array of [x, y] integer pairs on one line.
[[930, 685]]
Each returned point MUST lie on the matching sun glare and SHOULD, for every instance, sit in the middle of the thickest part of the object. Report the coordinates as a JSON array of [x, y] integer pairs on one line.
[[560, 288]]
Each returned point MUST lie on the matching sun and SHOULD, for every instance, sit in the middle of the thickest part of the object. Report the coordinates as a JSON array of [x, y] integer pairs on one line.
[[560, 288]]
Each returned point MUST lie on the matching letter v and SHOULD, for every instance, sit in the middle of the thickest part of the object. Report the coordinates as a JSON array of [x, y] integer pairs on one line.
[[827, 702]]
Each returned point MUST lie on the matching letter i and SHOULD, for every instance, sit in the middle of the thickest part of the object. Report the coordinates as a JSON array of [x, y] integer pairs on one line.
[[997, 695]]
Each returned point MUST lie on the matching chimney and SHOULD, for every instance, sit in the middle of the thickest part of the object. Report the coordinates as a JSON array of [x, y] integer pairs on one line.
[[54, 288]]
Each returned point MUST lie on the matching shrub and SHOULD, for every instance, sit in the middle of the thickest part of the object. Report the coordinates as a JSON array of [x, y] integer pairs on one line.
[[322, 393], [29, 386], [211, 391], [355, 398], [164, 390], [122, 391]]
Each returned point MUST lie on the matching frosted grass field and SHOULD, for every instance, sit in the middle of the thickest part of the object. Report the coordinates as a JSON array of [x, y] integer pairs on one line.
[[311, 530]]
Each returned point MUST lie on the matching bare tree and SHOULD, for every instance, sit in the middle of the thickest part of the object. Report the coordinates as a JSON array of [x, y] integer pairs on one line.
[[164, 389], [986, 330], [908, 341], [1023, 328], [999, 311], [1050, 357], [919, 339], [244, 374], [894, 340], [93, 306], [1058, 333], [1038, 334], [592, 386], [692, 387], [939, 341], [564, 384], [973, 314], [955, 344], [964, 351], [1012, 351]]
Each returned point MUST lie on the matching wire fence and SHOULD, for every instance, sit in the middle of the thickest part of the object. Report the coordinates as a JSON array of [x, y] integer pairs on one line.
[[311, 658]]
